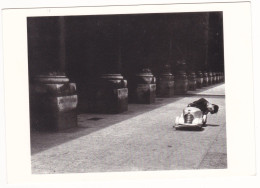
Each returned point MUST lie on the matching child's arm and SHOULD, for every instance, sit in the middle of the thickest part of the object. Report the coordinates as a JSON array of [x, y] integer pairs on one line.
[[201, 104]]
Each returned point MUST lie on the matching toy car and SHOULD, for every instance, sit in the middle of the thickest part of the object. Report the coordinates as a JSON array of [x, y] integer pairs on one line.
[[191, 117]]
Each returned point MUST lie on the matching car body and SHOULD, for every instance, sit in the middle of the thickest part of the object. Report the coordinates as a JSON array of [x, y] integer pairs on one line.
[[191, 117]]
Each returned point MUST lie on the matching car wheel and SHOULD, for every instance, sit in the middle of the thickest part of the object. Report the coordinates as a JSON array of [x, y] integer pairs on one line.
[[204, 118]]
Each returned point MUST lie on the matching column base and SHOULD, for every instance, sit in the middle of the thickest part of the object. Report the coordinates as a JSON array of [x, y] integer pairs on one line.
[[192, 85], [109, 94], [210, 75], [181, 86], [142, 87], [199, 79], [217, 78], [53, 106], [205, 82], [55, 121], [199, 82], [192, 81], [205, 79], [103, 100], [181, 83], [214, 78], [165, 89], [144, 94], [165, 82], [210, 81]]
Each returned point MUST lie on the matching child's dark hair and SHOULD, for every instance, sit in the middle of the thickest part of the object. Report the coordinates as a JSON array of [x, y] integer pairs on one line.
[[215, 109]]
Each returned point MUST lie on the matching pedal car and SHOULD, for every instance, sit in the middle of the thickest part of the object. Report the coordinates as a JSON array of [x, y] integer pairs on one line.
[[191, 117]]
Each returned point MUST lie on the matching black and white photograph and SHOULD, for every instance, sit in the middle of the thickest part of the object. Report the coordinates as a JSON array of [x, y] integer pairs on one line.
[[127, 92], [160, 90]]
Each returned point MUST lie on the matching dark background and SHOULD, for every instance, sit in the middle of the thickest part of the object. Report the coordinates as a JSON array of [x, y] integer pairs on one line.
[[86, 46]]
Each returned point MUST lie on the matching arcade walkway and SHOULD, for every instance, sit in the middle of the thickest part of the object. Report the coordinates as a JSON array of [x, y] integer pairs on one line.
[[143, 138]]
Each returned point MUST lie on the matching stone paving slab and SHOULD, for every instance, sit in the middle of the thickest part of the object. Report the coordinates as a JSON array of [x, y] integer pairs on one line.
[[216, 157], [141, 139], [216, 89]]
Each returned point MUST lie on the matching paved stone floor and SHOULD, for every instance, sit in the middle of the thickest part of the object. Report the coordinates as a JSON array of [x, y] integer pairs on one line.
[[143, 138]]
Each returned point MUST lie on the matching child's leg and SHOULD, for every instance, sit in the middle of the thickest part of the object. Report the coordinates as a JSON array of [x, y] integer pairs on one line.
[[204, 117]]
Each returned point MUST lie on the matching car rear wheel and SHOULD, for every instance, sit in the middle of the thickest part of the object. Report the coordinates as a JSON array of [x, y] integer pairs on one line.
[[204, 120]]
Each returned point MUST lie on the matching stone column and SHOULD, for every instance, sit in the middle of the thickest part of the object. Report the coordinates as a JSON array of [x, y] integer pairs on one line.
[[181, 81], [164, 47], [143, 48], [165, 83], [106, 91], [215, 43], [53, 98], [199, 79]]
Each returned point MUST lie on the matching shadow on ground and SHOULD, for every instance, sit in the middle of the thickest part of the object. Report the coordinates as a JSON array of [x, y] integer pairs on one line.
[[190, 129], [212, 125], [41, 141]]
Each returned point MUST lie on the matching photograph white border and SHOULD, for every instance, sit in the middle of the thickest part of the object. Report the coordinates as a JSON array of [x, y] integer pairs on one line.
[[239, 88]]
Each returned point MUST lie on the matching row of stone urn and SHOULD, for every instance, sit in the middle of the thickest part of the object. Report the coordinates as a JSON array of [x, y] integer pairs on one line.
[[55, 101], [147, 87]]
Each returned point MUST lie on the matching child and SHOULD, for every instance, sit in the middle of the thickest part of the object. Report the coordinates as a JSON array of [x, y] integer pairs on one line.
[[205, 107]]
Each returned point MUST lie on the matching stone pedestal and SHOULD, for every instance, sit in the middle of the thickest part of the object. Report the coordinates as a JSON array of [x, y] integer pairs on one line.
[[143, 88], [205, 79], [214, 78], [210, 78], [108, 94], [192, 81], [181, 83], [145, 93], [165, 83], [199, 79], [217, 77], [222, 77], [53, 99], [53, 103]]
